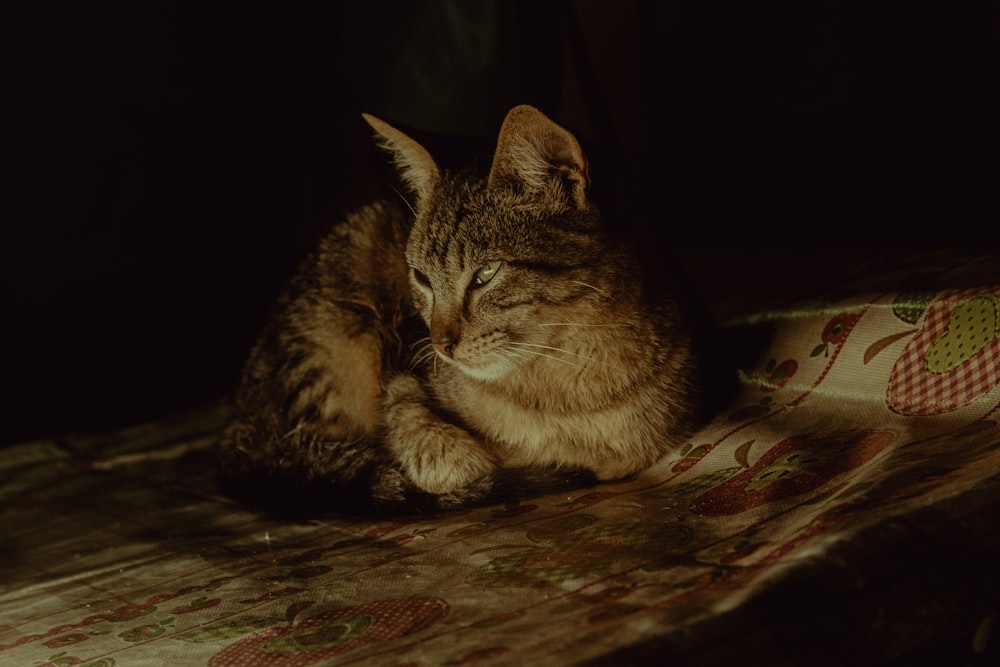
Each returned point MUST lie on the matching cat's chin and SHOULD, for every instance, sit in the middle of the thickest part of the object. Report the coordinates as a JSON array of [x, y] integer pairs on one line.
[[485, 373]]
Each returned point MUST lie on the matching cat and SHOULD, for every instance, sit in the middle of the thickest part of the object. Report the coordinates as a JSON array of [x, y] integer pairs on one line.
[[492, 339]]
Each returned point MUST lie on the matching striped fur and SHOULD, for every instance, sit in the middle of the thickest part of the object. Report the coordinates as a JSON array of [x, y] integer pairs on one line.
[[496, 343]]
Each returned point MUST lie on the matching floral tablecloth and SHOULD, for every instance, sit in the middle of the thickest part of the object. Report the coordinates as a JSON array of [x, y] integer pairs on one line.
[[843, 509]]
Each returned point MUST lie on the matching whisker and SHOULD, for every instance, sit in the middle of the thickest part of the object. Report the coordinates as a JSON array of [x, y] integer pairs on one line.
[[422, 355], [426, 339], [553, 357], [580, 324], [596, 289], [408, 205], [508, 356], [555, 349], [514, 354], [422, 359], [564, 351]]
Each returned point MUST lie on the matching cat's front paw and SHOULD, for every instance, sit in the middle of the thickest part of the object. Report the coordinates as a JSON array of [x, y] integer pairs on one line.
[[444, 458], [439, 457], [614, 468]]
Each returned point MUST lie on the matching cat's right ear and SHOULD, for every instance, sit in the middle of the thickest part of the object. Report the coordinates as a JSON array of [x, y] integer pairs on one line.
[[537, 153], [416, 166]]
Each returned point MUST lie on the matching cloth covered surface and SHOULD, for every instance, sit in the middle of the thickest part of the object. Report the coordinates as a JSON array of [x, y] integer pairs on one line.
[[843, 509]]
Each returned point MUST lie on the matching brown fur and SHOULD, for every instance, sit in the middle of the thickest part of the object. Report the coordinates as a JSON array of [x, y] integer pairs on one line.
[[499, 335]]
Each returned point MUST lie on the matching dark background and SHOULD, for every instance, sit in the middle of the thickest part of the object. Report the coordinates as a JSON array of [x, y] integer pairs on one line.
[[173, 160]]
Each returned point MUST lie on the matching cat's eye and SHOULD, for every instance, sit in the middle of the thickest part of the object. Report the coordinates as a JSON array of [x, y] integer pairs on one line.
[[485, 274], [419, 276]]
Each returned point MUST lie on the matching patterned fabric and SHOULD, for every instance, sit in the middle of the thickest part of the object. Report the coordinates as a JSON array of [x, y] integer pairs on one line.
[[844, 506], [954, 358]]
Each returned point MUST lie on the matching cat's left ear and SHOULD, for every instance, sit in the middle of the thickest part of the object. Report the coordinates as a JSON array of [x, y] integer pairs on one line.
[[537, 153], [416, 166]]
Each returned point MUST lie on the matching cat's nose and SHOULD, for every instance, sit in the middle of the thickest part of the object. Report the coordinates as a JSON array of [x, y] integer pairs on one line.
[[444, 345]]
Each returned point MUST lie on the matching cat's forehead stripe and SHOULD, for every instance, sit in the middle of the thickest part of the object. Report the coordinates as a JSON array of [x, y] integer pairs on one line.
[[442, 242]]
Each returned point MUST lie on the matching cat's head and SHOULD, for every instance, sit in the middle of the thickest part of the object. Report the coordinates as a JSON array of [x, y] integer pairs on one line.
[[497, 263]]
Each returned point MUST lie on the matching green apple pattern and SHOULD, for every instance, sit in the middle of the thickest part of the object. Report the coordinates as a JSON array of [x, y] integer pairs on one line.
[[953, 359], [971, 326]]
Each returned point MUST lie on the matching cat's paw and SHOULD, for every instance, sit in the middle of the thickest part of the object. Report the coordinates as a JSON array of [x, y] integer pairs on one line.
[[444, 458], [615, 468], [437, 456]]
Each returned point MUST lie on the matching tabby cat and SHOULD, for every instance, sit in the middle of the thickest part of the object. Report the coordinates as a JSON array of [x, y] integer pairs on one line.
[[494, 339]]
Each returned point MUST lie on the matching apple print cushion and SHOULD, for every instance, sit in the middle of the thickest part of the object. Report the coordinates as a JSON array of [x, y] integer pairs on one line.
[[953, 359]]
